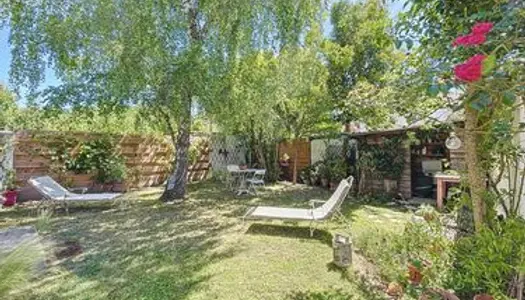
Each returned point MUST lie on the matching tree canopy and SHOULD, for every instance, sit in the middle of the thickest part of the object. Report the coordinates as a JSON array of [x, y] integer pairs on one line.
[[164, 55]]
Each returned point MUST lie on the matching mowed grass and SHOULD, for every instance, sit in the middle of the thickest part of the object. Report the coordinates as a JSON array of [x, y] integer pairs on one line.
[[200, 249]]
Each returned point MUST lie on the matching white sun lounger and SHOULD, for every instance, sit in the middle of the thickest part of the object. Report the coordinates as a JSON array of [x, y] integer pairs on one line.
[[54, 192], [329, 208]]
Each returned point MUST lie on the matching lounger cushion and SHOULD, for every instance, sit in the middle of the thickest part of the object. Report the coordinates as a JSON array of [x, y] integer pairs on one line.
[[50, 189], [92, 197], [271, 212], [317, 214]]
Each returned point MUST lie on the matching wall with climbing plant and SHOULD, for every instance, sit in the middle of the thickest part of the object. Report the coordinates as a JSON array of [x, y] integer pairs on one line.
[[96, 161], [100, 162], [383, 164]]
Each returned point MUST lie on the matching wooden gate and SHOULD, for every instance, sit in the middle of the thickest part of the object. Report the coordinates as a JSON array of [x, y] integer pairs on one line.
[[302, 149]]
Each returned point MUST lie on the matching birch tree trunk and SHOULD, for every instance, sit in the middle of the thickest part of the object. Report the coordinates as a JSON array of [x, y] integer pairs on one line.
[[476, 178], [176, 185]]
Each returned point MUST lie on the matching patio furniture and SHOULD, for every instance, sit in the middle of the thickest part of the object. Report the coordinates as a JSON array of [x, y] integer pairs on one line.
[[232, 175], [442, 180], [54, 192], [256, 180], [330, 208], [241, 177]]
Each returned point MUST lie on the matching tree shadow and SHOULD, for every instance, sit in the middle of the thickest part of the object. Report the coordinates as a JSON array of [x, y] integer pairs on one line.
[[151, 252], [155, 251], [294, 232]]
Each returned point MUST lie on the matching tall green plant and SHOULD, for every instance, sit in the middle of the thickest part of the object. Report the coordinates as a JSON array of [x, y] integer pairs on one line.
[[101, 158], [386, 159], [502, 251]]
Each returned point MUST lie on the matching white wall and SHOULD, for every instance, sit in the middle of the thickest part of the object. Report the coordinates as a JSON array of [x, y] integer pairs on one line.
[[520, 138], [318, 148], [236, 152]]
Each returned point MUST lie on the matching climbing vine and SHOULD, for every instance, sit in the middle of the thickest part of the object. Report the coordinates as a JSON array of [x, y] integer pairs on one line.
[[384, 160]]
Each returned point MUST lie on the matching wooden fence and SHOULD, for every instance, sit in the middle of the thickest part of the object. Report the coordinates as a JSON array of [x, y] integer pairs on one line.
[[148, 160], [302, 149]]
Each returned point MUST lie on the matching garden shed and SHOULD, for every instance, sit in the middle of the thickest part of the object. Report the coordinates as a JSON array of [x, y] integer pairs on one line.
[[405, 161]]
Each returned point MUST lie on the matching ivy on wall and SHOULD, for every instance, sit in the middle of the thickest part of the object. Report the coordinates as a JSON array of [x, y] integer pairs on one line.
[[386, 160], [99, 157]]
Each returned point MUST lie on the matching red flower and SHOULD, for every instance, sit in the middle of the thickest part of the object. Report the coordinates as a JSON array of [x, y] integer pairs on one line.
[[470, 71], [482, 28], [472, 39]]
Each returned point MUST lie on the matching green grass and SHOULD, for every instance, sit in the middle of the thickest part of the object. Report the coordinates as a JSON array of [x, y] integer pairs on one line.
[[200, 249]]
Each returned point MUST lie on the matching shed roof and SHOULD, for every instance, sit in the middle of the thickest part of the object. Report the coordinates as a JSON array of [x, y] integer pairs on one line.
[[440, 116]]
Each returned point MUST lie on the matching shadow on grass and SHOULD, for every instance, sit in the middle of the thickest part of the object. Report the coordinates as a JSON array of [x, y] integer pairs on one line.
[[148, 252], [155, 251], [294, 232]]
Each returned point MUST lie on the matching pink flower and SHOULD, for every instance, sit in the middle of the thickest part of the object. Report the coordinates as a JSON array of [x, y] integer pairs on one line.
[[472, 39], [470, 70], [482, 28]]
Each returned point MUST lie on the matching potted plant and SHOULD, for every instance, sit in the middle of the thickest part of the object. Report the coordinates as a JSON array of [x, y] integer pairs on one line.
[[324, 174], [414, 272], [304, 175], [117, 173], [314, 173], [338, 173], [10, 192]]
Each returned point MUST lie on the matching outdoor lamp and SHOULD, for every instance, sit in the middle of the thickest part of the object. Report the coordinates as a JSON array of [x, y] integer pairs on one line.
[[453, 142]]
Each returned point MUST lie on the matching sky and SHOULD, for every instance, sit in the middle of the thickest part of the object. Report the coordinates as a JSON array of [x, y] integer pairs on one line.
[[51, 80]]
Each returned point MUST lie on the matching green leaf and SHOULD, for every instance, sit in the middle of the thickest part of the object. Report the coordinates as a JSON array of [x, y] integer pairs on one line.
[[409, 43], [433, 90], [482, 102], [476, 105], [485, 99], [509, 98], [489, 63], [444, 88]]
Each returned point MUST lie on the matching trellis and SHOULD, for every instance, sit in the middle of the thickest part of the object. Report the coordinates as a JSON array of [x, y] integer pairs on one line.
[[226, 150]]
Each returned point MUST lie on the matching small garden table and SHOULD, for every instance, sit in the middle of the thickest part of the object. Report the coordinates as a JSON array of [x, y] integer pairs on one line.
[[242, 175], [442, 180]]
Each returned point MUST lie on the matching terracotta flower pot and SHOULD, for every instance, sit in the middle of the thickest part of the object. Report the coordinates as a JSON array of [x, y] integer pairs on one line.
[[414, 275], [10, 198]]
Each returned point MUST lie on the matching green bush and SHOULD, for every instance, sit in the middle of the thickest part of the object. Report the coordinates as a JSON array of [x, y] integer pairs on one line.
[[422, 245], [386, 160], [100, 157], [9, 180], [44, 220], [490, 260]]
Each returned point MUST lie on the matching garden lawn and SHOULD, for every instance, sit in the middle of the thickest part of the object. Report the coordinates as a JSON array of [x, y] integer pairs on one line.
[[200, 249]]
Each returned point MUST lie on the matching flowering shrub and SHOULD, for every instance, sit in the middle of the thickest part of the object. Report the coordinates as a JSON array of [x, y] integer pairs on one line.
[[418, 259], [471, 70], [478, 35]]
